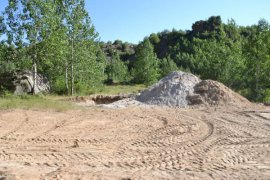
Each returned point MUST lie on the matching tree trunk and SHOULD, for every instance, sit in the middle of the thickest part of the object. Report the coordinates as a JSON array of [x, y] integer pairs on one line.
[[72, 79], [72, 67], [35, 64], [34, 90], [35, 68], [66, 78]]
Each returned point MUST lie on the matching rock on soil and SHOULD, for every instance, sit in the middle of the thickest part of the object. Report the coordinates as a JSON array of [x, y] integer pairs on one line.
[[172, 90]]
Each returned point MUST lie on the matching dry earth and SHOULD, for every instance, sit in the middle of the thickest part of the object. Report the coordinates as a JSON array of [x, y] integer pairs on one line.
[[136, 143]]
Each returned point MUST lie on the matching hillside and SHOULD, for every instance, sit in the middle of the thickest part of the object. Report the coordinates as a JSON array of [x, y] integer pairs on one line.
[[125, 50]]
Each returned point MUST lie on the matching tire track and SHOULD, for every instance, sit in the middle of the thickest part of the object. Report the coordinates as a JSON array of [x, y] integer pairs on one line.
[[25, 121]]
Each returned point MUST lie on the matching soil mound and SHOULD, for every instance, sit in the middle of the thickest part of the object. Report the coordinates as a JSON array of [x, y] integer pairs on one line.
[[214, 93], [182, 89], [172, 90]]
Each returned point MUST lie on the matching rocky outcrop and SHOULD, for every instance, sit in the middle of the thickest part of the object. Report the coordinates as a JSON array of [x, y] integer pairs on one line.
[[21, 82]]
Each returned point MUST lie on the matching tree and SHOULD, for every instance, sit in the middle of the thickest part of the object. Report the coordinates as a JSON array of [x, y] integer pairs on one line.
[[146, 64], [257, 53], [2, 25], [33, 26], [57, 36], [81, 35], [117, 70], [154, 39], [209, 28], [11, 26], [220, 60], [167, 65]]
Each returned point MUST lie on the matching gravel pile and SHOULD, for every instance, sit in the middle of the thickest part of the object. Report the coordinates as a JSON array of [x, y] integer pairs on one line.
[[172, 90], [183, 89]]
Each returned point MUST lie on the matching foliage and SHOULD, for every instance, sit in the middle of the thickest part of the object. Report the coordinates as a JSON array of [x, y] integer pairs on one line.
[[257, 54], [146, 64], [266, 95], [117, 70], [56, 39], [219, 60], [167, 65], [235, 55]]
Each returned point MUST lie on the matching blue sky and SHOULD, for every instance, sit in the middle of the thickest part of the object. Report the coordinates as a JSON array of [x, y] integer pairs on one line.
[[132, 20]]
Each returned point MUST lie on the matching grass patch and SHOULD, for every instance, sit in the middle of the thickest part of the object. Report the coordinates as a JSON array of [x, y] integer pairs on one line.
[[56, 102], [121, 89], [34, 102]]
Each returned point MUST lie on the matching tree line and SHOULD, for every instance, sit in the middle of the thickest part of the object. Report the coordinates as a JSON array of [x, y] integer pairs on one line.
[[57, 39], [238, 56]]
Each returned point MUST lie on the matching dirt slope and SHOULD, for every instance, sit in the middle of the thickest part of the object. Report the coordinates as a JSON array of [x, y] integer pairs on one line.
[[136, 143], [210, 92]]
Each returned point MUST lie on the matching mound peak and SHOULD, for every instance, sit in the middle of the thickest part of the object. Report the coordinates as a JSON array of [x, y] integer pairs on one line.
[[171, 90]]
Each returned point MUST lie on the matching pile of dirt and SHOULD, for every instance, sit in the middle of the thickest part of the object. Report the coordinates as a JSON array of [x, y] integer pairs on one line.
[[183, 89], [172, 90], [108, 99], [214, 93]]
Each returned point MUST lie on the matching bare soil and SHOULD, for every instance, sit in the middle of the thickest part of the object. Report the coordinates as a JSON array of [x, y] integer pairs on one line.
[[136, 143]]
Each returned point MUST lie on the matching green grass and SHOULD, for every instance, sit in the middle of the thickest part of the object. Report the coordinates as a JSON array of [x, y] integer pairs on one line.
[[56, 102], [34, 102], [121, 89]]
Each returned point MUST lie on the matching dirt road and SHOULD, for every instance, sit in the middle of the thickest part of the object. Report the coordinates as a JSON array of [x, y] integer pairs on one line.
[[136, 143]]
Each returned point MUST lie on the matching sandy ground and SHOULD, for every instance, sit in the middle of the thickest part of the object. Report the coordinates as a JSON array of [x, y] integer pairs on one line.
[[136, 143]]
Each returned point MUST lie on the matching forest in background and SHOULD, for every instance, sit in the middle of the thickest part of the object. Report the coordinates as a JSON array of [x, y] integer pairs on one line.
[[57, 39]]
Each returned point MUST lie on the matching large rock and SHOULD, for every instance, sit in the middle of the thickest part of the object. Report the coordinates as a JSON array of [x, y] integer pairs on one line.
[[21, 82], [172, 90]]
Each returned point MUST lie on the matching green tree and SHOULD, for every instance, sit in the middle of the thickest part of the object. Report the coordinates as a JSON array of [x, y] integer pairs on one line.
[[154, 39], [257, 52], [167, 65], [220, 60], [81, 35], [2, 25], [209, 28], [146, 64], [117, 70], [34, 27], [11, 26]]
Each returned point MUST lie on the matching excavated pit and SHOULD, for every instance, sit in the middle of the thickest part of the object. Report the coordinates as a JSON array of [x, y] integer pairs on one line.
[[101, 99]]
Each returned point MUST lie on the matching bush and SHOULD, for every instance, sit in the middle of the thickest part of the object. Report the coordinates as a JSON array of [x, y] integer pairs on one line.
[[266, 95], [59, 86]]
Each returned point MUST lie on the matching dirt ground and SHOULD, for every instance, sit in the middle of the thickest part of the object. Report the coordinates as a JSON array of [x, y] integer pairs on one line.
[[136, 143]]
